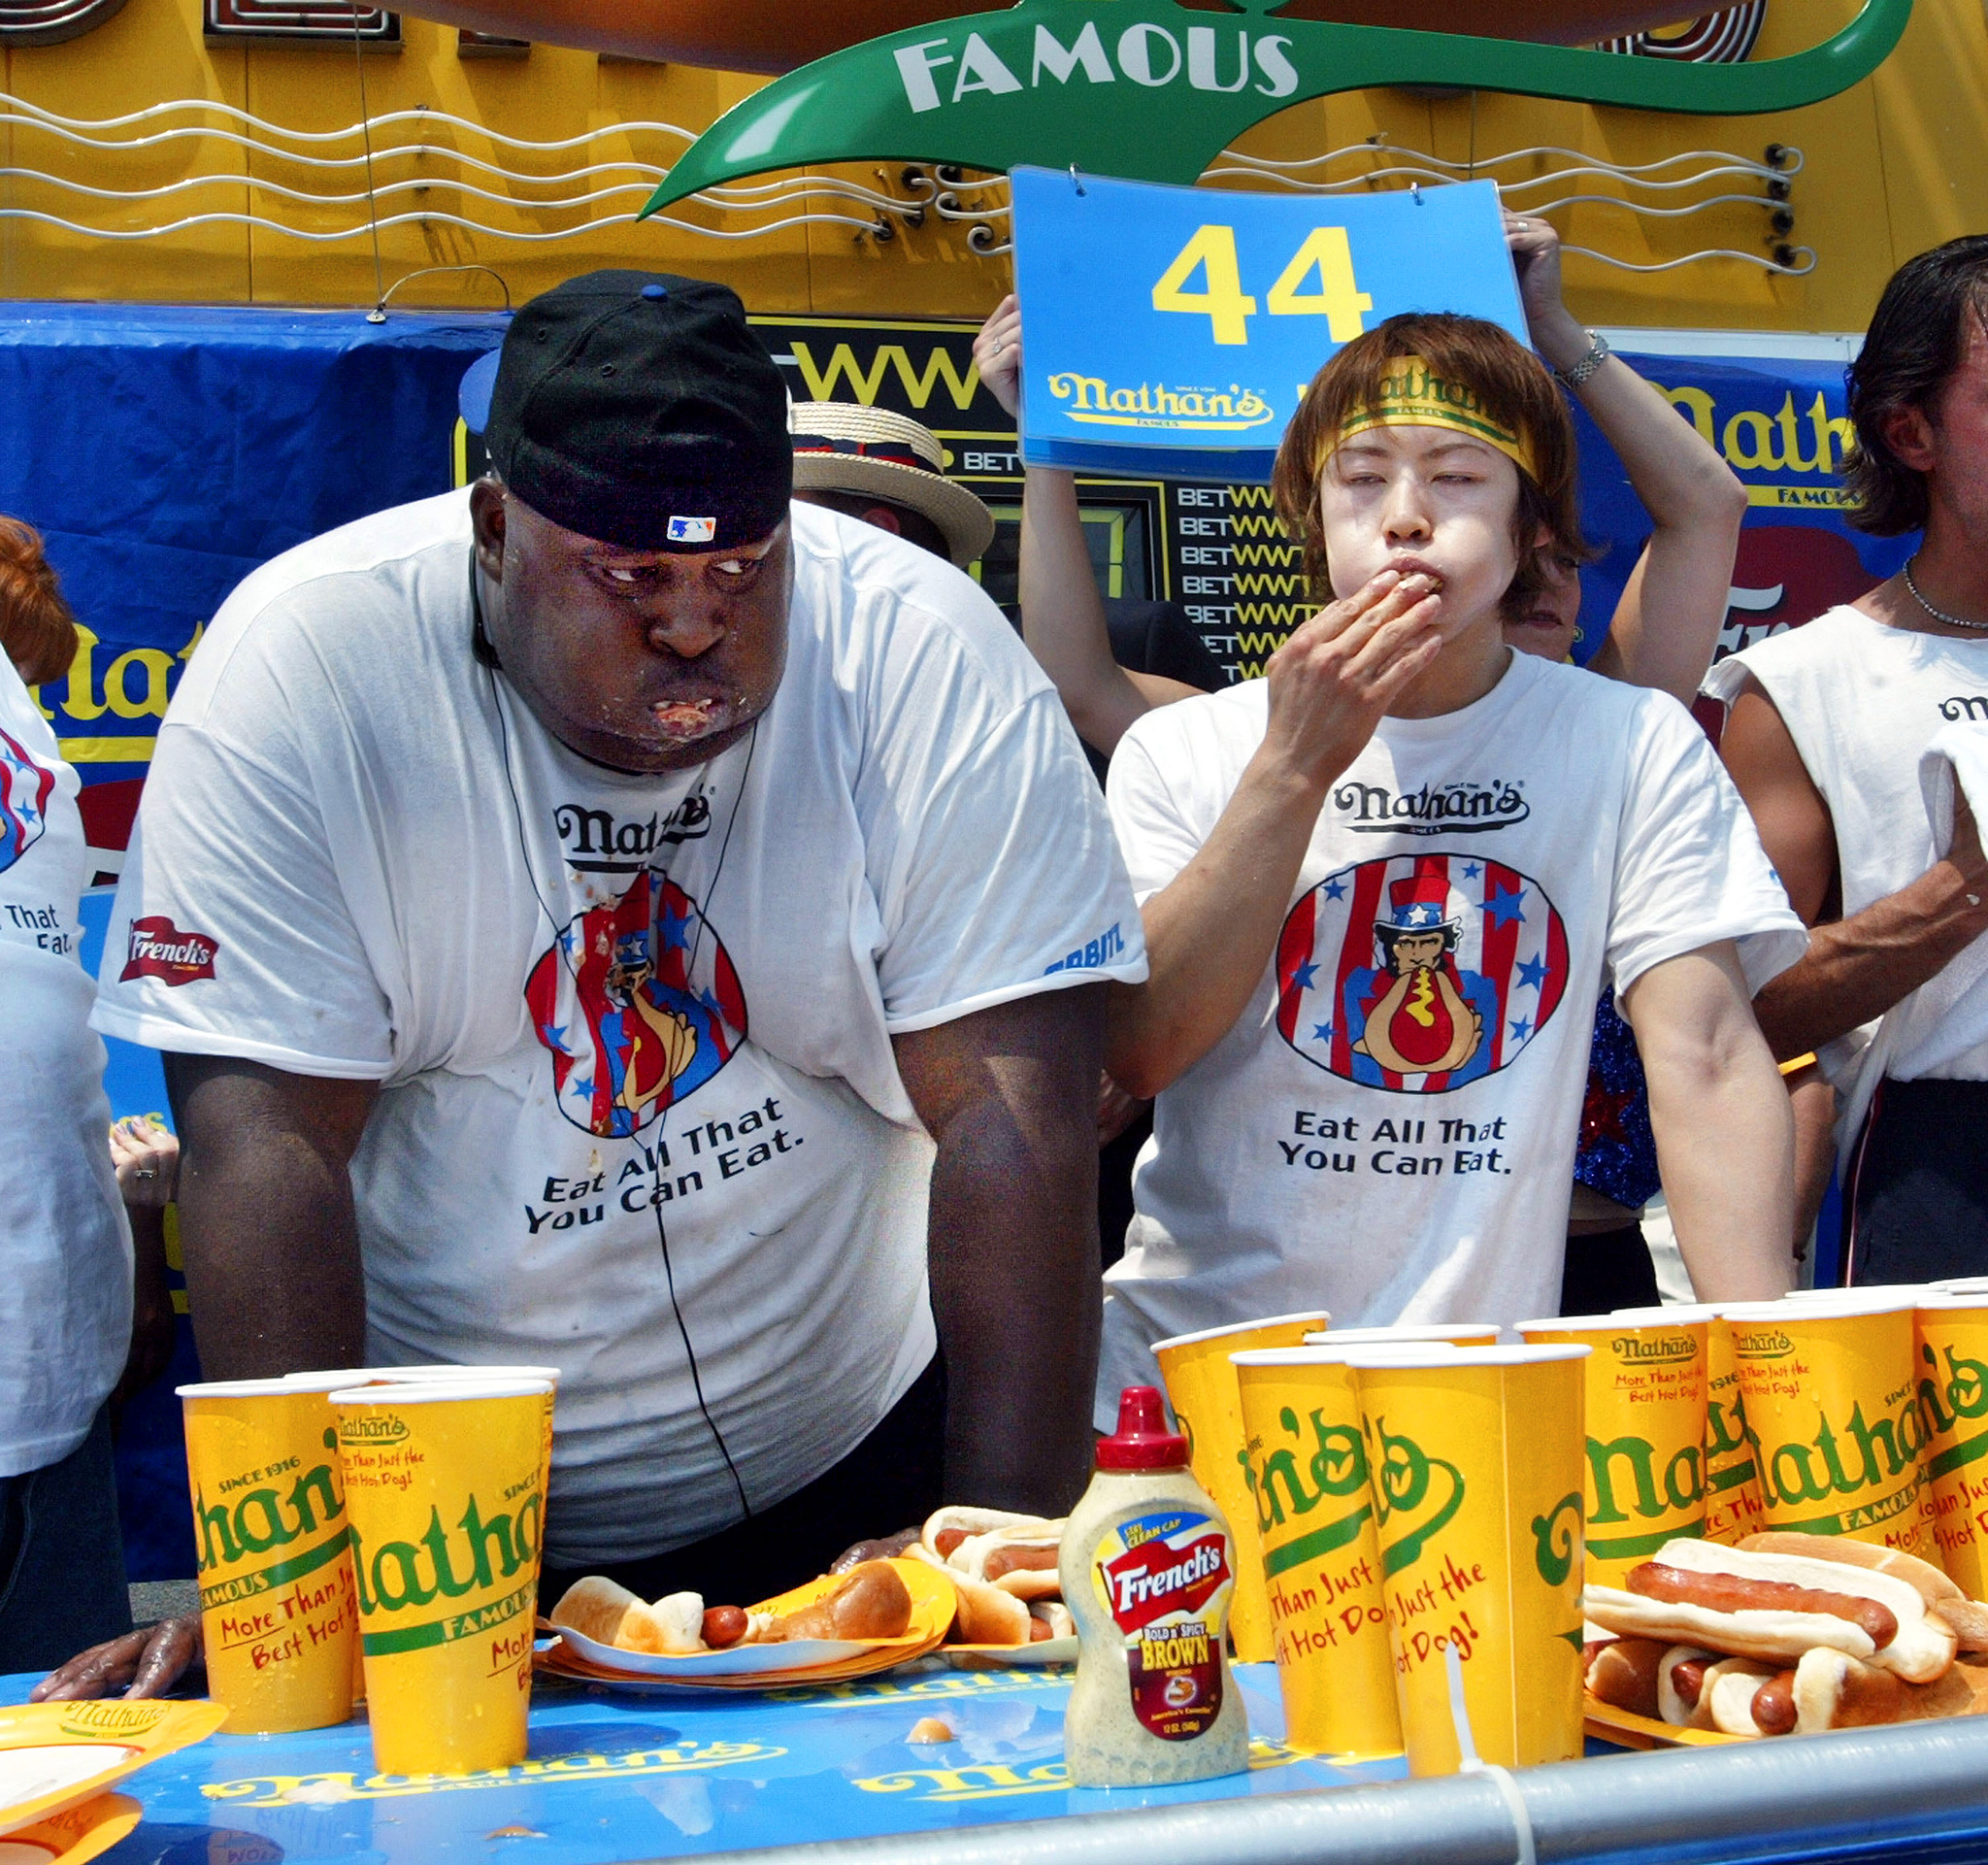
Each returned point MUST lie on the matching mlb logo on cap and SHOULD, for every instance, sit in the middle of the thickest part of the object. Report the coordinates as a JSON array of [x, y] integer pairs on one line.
[[691, 530]]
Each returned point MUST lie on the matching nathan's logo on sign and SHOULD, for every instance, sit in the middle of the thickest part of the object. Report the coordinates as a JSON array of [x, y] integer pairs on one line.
[[1337, 1467], [1654, 1350], [371, 1427], [1414, 1497], [1147, 56], [1094, 401], [1373, 809], [160, 949], [598, 842], [1162, 1577]]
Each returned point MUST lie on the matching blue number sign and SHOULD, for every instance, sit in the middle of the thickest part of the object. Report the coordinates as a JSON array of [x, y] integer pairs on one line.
[[1173, 330]]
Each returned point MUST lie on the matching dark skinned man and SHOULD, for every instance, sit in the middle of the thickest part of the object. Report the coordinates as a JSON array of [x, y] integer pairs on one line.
[[628, 923]]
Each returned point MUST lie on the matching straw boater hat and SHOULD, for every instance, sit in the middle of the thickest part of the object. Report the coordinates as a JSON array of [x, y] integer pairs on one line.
[[870, 452]]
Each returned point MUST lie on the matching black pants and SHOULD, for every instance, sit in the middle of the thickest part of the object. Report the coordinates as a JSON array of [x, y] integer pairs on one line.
[[1916, 1207], [1606, 1270], [61, 1557], [890, 1481]]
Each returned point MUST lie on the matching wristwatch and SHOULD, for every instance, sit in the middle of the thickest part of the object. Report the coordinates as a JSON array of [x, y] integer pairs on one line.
[[1598, 353]]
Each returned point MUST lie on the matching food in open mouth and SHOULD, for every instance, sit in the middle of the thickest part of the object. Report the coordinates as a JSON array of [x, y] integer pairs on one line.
[[685, 718]]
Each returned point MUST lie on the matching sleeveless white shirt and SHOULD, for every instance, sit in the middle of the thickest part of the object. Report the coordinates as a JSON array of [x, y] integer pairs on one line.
[[1862, 700]]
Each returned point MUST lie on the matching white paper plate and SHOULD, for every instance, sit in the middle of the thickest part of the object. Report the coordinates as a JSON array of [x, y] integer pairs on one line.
[[736, 1662]]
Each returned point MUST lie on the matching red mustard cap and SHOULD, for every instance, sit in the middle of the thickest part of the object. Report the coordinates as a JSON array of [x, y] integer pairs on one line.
[[1142, 1441]]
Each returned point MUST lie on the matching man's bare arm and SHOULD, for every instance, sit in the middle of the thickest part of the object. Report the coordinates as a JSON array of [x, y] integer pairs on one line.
[[1725, 1137], [1856, 969], [1009, 1095], [266, 1219]]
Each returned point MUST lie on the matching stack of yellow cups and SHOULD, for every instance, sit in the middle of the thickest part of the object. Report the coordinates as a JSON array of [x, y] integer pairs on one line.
[[1644, 1382], [1322, 1552], [1833, 1409], [445, 1483], [278, 1612], [1201, 1389], [1477, 1457]]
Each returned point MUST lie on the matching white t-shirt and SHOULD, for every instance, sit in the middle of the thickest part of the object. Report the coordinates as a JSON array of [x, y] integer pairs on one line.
[[1862, 701], [610, 1011], [65, 1247], [1376, 1137]]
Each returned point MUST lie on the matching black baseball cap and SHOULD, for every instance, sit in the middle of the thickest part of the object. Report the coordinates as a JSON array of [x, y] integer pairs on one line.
[[639, 408]]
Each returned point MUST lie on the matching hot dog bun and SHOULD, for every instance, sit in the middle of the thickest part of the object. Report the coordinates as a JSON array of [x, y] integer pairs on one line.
[[1967, 1618], [1680, 1685], [872, 1602], [595, 1608], [947, 1529], [985, 1614], [1022, 1564], [1730, 1688], [1699, 1593], [1624, 1673]]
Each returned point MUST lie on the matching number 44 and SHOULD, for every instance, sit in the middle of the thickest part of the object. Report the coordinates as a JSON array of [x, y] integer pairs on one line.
[[1228, 308]]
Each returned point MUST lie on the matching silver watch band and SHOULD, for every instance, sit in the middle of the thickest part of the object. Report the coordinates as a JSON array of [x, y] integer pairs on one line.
[[1598, 353]]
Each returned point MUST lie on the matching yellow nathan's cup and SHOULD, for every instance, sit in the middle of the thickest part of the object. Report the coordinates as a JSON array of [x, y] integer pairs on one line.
[[446, 1480], [278, 1611], [1322, 1552], [1733, 1505], [1478, 1463], [1644, 1380], [1953, 1339], [1201, 1389], [1833, 1413]]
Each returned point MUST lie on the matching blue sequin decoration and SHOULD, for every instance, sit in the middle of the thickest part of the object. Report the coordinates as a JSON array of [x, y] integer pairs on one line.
[[1617, 1152]]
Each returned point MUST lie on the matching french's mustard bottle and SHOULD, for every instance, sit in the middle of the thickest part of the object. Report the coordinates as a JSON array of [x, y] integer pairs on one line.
[[1148, 1569]]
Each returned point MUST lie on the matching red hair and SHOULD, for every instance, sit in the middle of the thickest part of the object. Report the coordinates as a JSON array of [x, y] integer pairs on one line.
[[36, 628]]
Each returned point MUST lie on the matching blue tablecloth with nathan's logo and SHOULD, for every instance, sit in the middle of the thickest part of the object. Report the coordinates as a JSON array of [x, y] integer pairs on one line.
[[613, 1777]]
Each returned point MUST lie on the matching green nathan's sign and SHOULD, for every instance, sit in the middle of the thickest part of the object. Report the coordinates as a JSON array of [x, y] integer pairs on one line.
[[1151, 91]]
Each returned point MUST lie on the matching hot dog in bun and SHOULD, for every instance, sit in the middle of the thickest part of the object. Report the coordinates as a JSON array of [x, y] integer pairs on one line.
[[1773, 1607]]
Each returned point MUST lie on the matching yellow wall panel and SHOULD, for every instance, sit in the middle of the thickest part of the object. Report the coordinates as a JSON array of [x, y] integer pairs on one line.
[[1890, 167], [150, 52]]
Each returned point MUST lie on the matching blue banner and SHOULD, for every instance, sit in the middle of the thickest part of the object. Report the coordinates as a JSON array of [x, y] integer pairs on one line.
[[1173, 330]]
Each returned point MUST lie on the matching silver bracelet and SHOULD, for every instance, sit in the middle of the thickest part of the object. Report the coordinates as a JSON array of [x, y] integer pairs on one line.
[[1598, 353]]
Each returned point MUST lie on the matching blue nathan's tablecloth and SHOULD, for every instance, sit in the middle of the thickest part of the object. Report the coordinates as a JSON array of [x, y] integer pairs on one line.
[[613, 1777]]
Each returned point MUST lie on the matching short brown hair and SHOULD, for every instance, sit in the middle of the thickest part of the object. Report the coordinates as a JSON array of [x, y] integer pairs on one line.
[[36, 628], [1514, 387]]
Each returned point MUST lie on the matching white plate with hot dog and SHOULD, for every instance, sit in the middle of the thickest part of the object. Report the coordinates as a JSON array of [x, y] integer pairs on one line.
[[887, 1609]]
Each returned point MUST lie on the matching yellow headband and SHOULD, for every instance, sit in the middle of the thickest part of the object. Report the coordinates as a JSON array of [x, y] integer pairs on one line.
[[1413, 395]]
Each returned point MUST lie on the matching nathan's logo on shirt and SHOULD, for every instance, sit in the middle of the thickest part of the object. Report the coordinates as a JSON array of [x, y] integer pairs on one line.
[[25, 787], [598, 842], [1972, 706], [1419, 973], [160, 949], [1373, 809], [640, 1005]]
